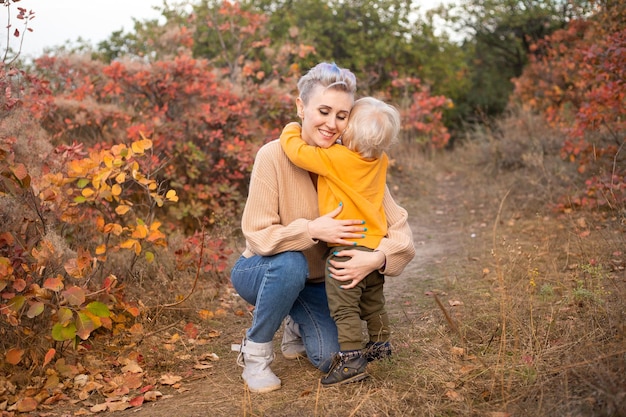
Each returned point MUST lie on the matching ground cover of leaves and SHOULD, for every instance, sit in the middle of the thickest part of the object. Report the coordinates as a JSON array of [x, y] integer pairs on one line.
[[508, 309]]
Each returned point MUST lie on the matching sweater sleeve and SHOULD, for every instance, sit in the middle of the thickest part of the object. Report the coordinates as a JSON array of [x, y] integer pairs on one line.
[[268, 229], [398, 245], [303, 155]]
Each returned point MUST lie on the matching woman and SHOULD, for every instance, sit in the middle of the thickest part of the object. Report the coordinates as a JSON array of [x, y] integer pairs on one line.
[[282, 269]]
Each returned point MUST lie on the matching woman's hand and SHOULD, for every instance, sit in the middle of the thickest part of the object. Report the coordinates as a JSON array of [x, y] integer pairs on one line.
[[360, 265], [327, 229]]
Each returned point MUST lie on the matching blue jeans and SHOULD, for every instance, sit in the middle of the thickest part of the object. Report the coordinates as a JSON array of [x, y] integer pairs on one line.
[[277, 286]]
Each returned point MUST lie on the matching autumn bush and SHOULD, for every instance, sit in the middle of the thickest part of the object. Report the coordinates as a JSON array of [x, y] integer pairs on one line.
[[576, 80]]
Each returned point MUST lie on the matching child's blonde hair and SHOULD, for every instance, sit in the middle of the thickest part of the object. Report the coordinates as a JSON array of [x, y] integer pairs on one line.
[[372, 128]]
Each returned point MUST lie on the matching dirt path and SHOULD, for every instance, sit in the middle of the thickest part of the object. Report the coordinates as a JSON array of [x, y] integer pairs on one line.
[[440, 243]]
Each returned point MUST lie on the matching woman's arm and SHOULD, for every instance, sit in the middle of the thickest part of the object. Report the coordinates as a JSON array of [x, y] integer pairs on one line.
[[391, 256], [281, 211]]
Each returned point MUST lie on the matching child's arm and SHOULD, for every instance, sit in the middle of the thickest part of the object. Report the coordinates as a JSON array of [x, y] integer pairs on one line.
[[310, 158]]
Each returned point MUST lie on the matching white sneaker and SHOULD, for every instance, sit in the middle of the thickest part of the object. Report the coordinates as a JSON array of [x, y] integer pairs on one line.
[[292, 345]]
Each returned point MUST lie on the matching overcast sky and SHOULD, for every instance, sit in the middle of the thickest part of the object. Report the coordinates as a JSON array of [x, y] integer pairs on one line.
[[57, 21]]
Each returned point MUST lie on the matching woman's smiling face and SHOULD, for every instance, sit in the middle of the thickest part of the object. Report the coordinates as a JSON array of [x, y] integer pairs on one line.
[[325, 116]]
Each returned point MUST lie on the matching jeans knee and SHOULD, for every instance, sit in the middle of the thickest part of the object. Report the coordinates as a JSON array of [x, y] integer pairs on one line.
[[293, 266]]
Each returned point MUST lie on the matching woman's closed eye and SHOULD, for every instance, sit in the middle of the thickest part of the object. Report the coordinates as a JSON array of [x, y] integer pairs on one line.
[[340, 116]]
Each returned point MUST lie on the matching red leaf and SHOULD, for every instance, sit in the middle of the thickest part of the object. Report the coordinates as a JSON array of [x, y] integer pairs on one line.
[[191, 330], [137, 401]]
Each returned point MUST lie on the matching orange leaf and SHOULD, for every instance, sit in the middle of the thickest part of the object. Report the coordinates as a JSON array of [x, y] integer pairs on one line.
[[191, 330], [14, 356], [74, 295], [54, 284], [49, 356], [26, 405], [19, 285]]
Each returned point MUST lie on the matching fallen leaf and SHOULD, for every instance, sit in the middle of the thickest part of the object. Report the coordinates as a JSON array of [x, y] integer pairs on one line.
[[26, 405], [143, 390], [455, 303], [191, 330], [210, 356], [169, 379], [14, 356], [133, 367], [205, 314], [457, 351], [137, 401], [98, 408], [152, 396], [202, 366], [453, 395], [49, 356], [118, 405]]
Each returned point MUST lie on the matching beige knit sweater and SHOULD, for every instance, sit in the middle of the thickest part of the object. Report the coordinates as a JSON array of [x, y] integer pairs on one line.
[[282, 200]]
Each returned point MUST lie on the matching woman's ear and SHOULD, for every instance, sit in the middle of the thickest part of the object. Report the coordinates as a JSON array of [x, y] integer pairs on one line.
[[300, 107]]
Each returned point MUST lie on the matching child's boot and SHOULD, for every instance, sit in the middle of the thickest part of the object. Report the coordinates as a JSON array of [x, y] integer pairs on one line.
[[348, 366]]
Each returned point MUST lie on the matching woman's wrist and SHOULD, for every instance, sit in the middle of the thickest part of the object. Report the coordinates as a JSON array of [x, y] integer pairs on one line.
[[383, 263]]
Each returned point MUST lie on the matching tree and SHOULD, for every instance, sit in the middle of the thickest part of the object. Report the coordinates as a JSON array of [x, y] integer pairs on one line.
[[498, 34]]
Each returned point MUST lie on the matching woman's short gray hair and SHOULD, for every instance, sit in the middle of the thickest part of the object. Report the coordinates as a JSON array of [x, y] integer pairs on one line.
[[329, 76]]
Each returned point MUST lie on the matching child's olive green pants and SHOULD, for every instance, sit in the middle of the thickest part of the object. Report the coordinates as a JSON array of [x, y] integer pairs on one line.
[[349, 307]]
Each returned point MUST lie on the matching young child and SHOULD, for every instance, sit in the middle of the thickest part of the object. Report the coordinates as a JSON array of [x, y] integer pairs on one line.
[[353, 175]]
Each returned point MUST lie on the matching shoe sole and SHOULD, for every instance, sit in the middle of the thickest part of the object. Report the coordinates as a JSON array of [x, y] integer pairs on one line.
[[292, 356], [355, 378], [262, 390]]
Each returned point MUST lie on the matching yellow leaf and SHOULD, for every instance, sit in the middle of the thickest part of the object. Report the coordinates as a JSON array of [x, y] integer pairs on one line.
[[101, 249], [171, 196], [138, 147], [121, 177], [131, 244], [140, 232], [122, 209], [87, 192], [116, 190], [108, 161]]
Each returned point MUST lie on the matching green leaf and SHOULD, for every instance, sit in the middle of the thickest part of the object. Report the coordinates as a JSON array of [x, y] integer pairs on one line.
[[79, 199], [82, 183], [61, 333], [35, 309], [64, 316], [16, 303], [98, 309]]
